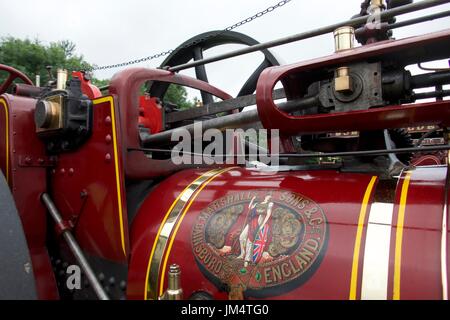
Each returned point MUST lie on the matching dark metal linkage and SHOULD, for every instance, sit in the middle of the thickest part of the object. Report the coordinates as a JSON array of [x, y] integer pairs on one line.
[[356, 22], [75, 248], [364, 153], [237, 120], [367, 152], [218, 107]]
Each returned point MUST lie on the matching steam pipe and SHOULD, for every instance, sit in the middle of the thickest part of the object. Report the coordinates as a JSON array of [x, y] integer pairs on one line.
[[26, 90]]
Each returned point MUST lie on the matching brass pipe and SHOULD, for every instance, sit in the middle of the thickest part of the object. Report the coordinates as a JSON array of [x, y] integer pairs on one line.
[[61, 79]]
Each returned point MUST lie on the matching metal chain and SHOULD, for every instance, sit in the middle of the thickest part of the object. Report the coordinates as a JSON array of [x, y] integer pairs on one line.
[[165, 53]]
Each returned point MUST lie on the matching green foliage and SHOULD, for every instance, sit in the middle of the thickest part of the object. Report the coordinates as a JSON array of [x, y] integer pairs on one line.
[[100, 83], [32, 57], [177, 94]]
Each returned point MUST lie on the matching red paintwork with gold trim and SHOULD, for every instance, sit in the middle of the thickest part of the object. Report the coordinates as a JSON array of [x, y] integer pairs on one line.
[[340, 196], [27, 180], [85, 189], [88, 187], [421, 245]]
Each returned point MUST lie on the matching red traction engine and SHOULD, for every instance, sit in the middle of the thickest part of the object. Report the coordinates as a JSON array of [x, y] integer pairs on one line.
[[88, 180]]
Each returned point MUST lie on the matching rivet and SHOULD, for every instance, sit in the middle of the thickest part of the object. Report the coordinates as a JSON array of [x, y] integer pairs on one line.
[[108, 120], [108, 157], [28, 160], [41, 161], [71, 171], [108, 139], [63, 171]]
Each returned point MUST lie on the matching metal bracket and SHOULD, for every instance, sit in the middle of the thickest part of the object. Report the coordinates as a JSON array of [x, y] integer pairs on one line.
[[29, 161]]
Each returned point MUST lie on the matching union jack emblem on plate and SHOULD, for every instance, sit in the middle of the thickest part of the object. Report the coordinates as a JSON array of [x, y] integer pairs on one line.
[[258, 241], [260, 244]]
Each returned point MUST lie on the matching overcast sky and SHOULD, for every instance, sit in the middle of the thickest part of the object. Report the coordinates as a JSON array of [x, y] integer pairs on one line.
[[111, 31]]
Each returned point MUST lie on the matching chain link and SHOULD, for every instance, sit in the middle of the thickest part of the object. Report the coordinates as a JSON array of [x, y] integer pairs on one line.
[[165, 53]]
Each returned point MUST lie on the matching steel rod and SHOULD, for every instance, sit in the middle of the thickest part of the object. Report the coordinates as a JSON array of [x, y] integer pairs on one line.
[[430, 79], [237, 120], [356, 22], [76, 250], [410, 22], [364, 153], [434, 94]]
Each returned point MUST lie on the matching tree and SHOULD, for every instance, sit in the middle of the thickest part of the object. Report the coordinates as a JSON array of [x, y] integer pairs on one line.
[[177, 94], [32, 57]]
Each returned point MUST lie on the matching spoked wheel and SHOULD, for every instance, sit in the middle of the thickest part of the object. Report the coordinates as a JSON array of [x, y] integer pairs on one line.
[[194, 48], [13, 74]]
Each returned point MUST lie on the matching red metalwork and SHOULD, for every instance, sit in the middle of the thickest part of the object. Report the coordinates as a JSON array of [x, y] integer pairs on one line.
[[342, 205], [125, 87], [422, 233], [13, 75], [289, 232], [90, 190], [27, 161], [150, 114], [406, 50], [86, 86]]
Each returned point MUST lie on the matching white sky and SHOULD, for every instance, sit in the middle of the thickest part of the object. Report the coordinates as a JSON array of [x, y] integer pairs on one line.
[[112, 31]]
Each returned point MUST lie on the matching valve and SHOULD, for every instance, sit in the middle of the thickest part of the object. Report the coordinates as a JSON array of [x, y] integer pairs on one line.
[[174, 290]]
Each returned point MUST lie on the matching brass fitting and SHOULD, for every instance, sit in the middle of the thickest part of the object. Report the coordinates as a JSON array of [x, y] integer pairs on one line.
[[377, 3], [61, 79], [343, 82], [344, 38], [48, 113], [174, 290]]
